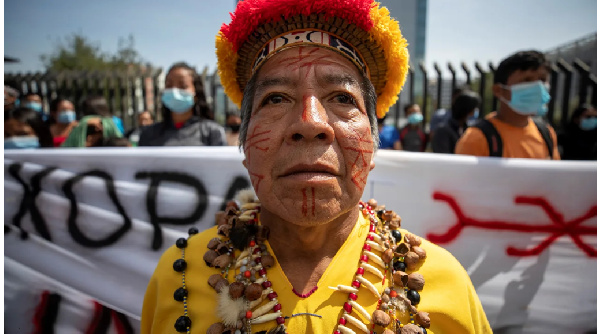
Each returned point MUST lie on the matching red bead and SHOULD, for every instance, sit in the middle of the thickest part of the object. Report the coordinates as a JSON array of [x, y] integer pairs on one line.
[[372, 228], [247, 274], [365, 211], [356, 284], [262, 272], [347, 307], [266, 284], [272, 295], [367, 247], [256, 251], [248, 314], [360, 271], [258, 259], [277, 307], [280, 320], [393, 293], [352, 296], [364, 258], [337, 332], [342, 321], [370, 237], [252, 243]]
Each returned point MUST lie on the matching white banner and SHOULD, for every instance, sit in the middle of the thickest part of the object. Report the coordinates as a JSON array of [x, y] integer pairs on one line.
[[84, 229]]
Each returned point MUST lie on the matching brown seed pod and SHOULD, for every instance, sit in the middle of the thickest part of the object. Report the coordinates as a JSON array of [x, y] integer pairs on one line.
[[213, 243], [388, 331], [220, 218], [236, 290], [423, 319], [221, 284], [387, 215], [420, 251], [224, 230], [209, 257], [385, 298], [402, 249], [396, 223], [381, 318], [411, 259], [267, 261], [222, 248], [222, 261], [253, 291], [213, 279], [233, 205], [262, 234], [372, 203], [415, 282], [216, 328], [400, 278], [411, 329], [412, 239], [387, 256]]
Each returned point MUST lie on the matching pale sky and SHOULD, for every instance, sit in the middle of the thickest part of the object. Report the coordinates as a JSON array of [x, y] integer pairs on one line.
[[169, 31]]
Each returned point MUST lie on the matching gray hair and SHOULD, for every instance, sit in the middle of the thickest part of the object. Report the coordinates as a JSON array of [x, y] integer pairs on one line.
[[366, 87]]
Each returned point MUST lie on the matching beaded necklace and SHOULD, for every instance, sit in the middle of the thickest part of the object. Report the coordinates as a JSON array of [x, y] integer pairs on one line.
[[251, 300]]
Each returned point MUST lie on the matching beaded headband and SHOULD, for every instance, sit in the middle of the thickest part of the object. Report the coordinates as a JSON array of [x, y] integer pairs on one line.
[[360, 30]]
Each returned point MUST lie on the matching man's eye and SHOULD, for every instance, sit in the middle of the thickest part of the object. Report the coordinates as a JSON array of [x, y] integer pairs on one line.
[[273, 99], [345, 99]]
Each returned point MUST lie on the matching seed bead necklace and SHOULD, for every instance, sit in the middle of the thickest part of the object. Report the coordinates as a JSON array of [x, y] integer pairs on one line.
[[251, 300]]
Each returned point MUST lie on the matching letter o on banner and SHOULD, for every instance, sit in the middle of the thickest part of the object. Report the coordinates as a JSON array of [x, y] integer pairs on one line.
[[74, 230]]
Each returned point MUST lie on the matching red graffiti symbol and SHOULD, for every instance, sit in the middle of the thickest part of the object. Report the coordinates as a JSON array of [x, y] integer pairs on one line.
[[360, 172], [557, 228], [304, 202], [252, 141], [255, 179]]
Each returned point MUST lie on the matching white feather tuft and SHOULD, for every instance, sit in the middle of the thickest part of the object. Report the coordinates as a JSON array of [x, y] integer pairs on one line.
[[229, 309], [246, 196]]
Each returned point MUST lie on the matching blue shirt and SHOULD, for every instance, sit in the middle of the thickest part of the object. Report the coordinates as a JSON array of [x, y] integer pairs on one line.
[[388, 136]]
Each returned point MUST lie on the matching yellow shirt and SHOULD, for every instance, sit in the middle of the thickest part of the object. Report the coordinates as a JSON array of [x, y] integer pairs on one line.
[[448, 295], [517, 142]]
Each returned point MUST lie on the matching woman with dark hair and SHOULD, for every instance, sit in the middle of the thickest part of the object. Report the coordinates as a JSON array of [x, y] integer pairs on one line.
[[63, 111], [25, 128], [187, 119], [464, 107], [580, 141]]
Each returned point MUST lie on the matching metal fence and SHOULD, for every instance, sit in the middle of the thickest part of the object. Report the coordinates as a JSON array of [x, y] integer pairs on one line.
[[131, 92]]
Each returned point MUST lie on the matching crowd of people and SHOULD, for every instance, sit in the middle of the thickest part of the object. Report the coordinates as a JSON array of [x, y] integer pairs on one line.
[[514, 130]]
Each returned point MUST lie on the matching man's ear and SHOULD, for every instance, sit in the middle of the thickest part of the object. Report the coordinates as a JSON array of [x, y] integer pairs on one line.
[[501, 92], [244, 163], [372, 164]]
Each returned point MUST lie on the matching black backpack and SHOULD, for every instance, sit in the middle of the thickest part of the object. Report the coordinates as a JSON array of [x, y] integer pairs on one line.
[[495, 141]]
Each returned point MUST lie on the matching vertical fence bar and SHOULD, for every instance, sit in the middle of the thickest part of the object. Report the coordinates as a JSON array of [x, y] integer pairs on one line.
[[494, 99], [425, 93], [553, 90], [482, 82], [453, 73], [568, 71], [439, 85], [594, 89], [411, 83], [157, 101], [584, 74], [111, 92], [467, 72]]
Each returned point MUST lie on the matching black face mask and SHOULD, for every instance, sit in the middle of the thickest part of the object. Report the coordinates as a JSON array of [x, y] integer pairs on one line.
[[234, 127]]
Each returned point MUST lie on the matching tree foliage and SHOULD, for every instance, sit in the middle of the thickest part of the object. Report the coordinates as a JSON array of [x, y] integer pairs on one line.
[[76, 52]]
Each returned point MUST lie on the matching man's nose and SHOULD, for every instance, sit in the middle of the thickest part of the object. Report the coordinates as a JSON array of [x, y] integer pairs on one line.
[[312, 124]]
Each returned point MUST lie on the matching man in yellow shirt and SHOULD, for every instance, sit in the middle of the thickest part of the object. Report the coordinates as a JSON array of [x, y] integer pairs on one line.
[[520, 83], [312, 77]]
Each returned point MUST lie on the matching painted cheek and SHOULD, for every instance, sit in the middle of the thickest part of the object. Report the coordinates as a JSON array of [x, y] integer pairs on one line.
[[258, 143], [360, 148]]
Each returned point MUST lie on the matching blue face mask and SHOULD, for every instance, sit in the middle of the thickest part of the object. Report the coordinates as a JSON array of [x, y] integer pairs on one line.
[[473, 119], [588, 124], [415, 118], [530, 98], [178, 100], [66, 116], [33, 105], [21, 143]]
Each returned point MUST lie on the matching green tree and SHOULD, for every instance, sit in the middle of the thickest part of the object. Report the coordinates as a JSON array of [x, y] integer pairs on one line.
[[76, 52]]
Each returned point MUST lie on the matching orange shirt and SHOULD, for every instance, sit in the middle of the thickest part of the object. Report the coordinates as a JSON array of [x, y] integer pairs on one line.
[[517, 142]]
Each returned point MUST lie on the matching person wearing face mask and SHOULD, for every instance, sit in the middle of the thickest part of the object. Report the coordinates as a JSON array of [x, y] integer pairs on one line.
[[187, 119], [520, 84], [412, 136], [11, 99], [34, 101], [579, 140], [63, 111], [24, 129], [464, 111]]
